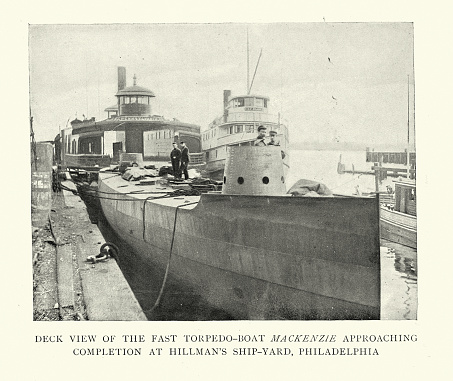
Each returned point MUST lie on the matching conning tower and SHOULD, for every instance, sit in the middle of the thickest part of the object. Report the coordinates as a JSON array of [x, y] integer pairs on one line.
[[252, 170]]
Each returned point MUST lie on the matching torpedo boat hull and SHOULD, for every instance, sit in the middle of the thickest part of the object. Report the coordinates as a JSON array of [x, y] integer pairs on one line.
[[257, 257]]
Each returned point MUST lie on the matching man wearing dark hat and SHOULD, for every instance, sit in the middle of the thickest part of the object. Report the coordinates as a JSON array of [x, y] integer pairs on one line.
[[261, 135], [175, 156], [273, 142], [184, 160]]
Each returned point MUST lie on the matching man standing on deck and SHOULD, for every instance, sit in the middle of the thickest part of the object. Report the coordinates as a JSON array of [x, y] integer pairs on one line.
[[260, 138], [184, 160], [175, 156]]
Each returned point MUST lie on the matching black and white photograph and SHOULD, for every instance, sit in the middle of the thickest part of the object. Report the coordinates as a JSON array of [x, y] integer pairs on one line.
[[225, 191], [224, 171]]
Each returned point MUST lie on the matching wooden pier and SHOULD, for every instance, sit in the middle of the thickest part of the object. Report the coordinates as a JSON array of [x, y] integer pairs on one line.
[[379, 171]]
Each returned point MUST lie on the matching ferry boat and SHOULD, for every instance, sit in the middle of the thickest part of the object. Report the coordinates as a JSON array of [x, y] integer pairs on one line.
[[399, 219], [238, 126], [130, 127], [252, 250]]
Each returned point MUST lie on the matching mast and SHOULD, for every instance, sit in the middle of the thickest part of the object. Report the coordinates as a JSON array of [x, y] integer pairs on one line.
[[414, 115], [256, 68], [33, 143], [248, 62], [408, 129]]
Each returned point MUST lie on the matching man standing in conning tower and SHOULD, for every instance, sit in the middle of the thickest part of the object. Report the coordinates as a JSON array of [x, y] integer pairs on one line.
[[273, 142], [260, 138]]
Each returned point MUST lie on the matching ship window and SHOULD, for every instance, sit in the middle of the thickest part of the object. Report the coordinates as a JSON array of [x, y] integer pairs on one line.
[[224, 179], [249, 102], [265, 180], [230, 129], [240, 180], [239, 102], [239, 128], [265, 102], [259, 102]]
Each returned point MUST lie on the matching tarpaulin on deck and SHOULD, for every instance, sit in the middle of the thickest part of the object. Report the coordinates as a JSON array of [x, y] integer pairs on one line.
[[309, 188]]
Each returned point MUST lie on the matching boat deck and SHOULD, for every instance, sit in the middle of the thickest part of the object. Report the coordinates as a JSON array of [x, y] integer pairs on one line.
[[156, 193]]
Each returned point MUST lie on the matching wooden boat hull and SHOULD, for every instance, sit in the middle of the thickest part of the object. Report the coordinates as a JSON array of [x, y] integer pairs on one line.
[[260, 257], [398, 227]]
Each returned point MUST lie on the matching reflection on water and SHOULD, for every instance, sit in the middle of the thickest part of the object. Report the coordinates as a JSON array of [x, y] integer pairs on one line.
[[398, 282]]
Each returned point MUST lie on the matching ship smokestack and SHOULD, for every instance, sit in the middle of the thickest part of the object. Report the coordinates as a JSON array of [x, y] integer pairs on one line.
[[121, 77], [226, 97], [252, 170]]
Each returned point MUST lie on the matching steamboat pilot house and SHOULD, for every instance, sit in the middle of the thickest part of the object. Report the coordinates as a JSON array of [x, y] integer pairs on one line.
[[238, 126], [130, 127]]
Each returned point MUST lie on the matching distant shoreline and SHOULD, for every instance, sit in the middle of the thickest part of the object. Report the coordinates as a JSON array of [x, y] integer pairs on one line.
[[326, 146]]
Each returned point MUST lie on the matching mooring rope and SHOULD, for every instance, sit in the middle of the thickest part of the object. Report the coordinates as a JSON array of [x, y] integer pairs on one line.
[[169, 258]]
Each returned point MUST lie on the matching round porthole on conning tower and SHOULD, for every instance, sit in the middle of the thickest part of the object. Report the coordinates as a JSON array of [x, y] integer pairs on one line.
[[240, 180], [265, 180], [224, 179]]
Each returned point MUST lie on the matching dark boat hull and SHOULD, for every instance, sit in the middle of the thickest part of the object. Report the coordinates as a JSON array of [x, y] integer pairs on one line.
[[262, 257]]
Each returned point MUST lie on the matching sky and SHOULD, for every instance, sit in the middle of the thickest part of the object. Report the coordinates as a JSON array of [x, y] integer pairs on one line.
[[189, 71], [345, 82]]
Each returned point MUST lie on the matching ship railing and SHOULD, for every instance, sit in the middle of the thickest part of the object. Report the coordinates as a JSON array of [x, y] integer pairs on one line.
[[197, 158], [86, 160]]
